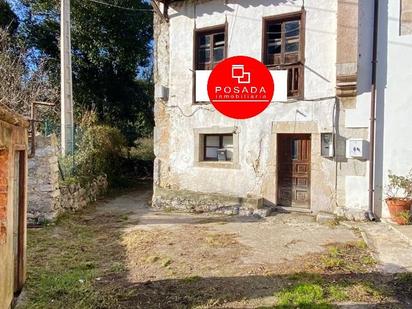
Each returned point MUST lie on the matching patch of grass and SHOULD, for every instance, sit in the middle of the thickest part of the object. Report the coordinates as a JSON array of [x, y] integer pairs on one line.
[[323, 293], [334, 258], [405, 279], [368, 260], [350, 257], [366, 291], [361, 244], [65, 260], [332, 262], [304, 295], [403, 284], [337, 293]]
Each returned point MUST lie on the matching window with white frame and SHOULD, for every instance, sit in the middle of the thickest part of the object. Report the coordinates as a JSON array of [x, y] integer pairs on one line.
[[217, 147]]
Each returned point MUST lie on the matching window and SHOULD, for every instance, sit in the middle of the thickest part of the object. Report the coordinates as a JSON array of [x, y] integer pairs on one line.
[[218, 147], [283, 49], [210, 48]]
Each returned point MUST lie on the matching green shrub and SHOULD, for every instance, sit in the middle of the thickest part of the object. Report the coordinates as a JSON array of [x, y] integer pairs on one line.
[[143, 149], [99, 150]]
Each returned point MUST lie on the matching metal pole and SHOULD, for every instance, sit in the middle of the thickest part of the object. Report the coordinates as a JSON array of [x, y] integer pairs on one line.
[[66, 80], [372, 129]]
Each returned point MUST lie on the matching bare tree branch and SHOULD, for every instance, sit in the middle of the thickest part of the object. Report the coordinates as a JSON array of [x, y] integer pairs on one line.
[[20, 86]]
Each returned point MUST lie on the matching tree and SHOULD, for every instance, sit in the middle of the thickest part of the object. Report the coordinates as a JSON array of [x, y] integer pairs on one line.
[[109, 46], [18, 86], [8, 20]]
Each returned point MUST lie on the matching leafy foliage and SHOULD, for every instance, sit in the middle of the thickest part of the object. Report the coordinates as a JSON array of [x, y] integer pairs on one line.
[[99, 150], [110, 48], [399, 186], [143, 149]]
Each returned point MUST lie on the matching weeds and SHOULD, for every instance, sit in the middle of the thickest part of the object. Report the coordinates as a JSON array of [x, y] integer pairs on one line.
[[304, 294], [64, 262]]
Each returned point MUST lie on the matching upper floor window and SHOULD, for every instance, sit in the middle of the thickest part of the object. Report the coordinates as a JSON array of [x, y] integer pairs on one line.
[[210, 48], [283, 49]]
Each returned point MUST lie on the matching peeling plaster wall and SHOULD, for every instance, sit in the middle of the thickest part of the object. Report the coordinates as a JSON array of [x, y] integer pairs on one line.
[[178, 118]]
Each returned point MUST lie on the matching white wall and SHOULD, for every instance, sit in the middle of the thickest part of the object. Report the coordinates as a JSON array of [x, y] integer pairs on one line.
[[394, 94], [244, 38]]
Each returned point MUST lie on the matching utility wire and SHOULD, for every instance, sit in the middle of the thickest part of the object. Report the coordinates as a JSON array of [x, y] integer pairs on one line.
[[121, 7]]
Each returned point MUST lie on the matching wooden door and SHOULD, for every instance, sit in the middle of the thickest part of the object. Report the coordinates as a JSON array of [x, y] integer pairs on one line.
[[294, 170]]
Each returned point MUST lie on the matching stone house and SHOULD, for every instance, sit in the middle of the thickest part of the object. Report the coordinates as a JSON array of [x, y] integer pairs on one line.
[[314, 152], [13, 204]]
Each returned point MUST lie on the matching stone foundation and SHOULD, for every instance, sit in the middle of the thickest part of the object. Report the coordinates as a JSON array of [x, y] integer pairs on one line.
[[190, 201]]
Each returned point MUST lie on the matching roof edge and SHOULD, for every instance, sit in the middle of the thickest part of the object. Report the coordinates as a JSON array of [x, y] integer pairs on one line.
[[13, 118]]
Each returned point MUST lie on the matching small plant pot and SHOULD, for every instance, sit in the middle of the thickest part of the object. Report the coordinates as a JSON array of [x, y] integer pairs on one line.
[[397, 207]]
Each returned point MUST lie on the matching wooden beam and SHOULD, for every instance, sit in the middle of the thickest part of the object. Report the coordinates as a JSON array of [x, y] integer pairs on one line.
[[157, 10]]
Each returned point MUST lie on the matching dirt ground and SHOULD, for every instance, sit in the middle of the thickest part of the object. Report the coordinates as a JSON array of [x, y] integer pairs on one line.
[[123, 254]]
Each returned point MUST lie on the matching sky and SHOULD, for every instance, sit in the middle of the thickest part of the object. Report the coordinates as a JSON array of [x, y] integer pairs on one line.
[[17, 7]]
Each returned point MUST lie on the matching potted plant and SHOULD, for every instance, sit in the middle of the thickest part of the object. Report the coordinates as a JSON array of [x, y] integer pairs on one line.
[[399, 197], [404, 217]]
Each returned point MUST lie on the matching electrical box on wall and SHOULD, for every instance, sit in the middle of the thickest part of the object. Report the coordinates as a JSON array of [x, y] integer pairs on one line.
[[327, 145], [357, 148], [161, 92]]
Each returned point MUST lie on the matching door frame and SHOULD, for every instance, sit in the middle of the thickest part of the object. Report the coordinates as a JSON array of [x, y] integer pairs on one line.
[[278, 157], [21, 222]]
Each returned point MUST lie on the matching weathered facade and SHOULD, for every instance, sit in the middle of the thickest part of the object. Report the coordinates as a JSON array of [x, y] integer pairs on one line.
[[13, 204], [309, 152]]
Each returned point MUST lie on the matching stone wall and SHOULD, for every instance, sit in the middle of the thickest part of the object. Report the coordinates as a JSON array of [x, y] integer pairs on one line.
[[76, 196], [48, 195], [43, 184]]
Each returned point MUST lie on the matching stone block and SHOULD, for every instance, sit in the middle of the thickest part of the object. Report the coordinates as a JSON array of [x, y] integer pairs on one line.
[[262, 212], [325, 218], [245, 212]]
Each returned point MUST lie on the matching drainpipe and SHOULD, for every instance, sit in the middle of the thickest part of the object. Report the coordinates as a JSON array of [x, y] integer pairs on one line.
[[371, 212]]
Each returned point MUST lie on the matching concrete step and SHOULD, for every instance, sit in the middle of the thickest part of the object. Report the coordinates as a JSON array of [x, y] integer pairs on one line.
[[286, 209]]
